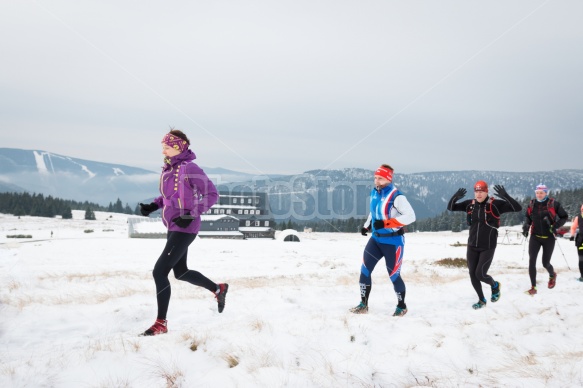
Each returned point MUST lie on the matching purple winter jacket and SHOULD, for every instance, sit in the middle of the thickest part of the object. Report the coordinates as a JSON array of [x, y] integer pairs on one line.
[[186, 190]]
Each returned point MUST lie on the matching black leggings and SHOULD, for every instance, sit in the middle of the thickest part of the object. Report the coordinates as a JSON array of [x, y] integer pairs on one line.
[[173, 257], [479, 261], [534, 246]]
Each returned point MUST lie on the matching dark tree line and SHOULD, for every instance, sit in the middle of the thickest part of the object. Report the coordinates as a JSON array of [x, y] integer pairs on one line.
[[38, 205], [349, 225]]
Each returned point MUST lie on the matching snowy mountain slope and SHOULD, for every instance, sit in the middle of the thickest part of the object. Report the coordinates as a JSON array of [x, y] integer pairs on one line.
[[320, 194], [61, 176]]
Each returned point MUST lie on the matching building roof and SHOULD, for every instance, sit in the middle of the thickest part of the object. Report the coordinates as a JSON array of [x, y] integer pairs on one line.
[[254, 228], [216, 217], [219, 233]]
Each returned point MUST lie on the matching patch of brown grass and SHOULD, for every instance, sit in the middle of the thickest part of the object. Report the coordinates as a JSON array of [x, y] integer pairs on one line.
[[458, 262]]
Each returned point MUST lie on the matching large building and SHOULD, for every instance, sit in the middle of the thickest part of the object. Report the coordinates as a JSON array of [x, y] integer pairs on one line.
[[234, 216], [250, 209]]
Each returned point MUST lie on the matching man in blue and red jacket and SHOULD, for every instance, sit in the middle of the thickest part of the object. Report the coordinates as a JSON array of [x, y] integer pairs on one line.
[[389, 213]]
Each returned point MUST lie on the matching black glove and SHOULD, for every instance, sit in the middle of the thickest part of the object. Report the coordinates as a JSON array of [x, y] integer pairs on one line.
[[183, 221], [572, 238], [379, 224], [364, 231], [525, 230], [500, 191], [553, 230], [460, 193], [147, 209]]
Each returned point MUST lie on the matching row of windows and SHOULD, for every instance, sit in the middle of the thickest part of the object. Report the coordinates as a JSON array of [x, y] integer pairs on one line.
[[256, 223], [247, 223], [229, 211], [245, 200]]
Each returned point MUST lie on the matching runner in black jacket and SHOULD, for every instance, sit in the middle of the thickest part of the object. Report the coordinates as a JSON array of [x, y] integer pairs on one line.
[[543, 218], [484, 219]]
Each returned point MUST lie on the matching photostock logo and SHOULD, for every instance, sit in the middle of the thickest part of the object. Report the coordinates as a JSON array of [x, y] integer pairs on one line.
[[306, 197]]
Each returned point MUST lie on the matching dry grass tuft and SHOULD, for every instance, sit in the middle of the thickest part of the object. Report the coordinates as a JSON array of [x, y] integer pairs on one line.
[[171, 375], [196, 341], [231, 359], [13, 285], [115, 383], [257, 325], [449, 262]]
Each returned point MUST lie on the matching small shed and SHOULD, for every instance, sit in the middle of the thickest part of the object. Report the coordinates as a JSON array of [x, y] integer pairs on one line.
[[289, 235]]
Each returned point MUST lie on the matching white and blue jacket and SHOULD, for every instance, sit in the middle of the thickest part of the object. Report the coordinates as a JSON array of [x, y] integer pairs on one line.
[[389, 203]]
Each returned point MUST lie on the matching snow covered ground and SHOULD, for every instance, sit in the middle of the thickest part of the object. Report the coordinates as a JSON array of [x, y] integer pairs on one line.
[[72, 306]]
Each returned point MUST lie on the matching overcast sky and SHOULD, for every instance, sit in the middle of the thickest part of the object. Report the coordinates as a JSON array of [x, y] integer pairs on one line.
[[290, 86]]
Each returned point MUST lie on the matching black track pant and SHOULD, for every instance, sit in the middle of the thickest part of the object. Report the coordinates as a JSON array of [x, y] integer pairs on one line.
[[173, 257], [534, 246], [479, 261]]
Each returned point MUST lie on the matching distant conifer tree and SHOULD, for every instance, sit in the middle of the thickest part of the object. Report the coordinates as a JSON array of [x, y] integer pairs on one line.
[[89, 214], [67, 213]]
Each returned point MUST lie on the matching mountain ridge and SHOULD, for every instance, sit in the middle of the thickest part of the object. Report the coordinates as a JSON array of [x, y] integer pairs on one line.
[[314, 194]]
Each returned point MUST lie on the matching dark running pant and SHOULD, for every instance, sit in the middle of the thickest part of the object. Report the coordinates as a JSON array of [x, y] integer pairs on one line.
[[534, 246], [393, 255], [173, 257], [579, 245], [479, 261]]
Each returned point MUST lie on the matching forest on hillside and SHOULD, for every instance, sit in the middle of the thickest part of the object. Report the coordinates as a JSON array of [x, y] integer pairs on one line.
[[20, 204], [38, 205]]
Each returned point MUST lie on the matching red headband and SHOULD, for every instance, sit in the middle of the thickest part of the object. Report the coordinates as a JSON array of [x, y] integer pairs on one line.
[[385, 173]]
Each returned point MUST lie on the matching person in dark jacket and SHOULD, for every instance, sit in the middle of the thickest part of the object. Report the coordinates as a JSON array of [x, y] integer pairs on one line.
[[543, 217], [577, 236], [187, 193], [484, 220]]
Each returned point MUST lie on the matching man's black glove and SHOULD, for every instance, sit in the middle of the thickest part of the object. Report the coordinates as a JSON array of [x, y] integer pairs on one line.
[[500, 191], [364, 230], [379, 224], [147, 209], [572, 238], [460, 193], [525, 230], [183, 221]]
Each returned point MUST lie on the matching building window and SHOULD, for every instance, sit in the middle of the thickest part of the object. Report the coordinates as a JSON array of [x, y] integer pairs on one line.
[[266, 223], [240, 212], [247, 223], [234, 200], [228, 211], [246, 212], [257, 223]]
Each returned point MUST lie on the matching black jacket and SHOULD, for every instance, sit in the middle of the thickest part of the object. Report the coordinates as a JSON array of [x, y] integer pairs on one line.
[[540, 220], [484, 218]]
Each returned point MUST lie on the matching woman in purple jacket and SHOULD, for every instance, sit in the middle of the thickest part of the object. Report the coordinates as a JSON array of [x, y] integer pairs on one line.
[[186, 194]]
